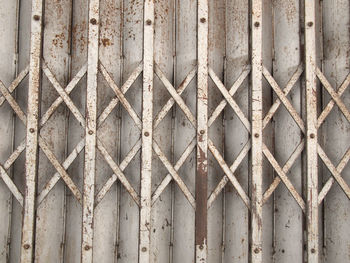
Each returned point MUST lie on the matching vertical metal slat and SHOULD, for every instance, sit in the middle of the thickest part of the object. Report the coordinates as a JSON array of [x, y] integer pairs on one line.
[[256, 117], [147, 122], [311, 132], [32, 133], [90, 133], [201, 219]]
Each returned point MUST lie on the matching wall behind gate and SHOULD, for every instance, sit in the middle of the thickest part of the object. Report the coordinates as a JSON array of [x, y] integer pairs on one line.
[[89, 195]]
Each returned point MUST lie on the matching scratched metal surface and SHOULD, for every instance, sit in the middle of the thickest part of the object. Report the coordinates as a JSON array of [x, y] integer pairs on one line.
[[174, 131]]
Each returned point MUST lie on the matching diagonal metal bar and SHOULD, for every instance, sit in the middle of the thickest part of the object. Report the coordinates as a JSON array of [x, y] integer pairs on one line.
[[184, 84], [232, 91], [327, 186], [114, 102], [286, 91], [298, 150], [333, 93], [11, 186], [177, 166], [331, 103], [72, 84], [15, 83], [280, 94], [229, 173], [243, 153], [334, 171], [282, 175], [63, 94], [134, 150], [118, 172], [229, 99]]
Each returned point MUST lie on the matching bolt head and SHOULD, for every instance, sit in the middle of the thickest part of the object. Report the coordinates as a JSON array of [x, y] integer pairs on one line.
[[256, 135], [93, 21], [256, 250], [148, 22], [310, 24], [146, 134], [87, 247], [36, 17], [256, 24], [203, 20], [31, 130], [91, 132], [202, 131], [312, 135], [144, 249], [26, 246]]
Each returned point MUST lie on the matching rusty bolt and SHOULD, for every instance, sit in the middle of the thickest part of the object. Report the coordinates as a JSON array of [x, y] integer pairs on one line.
[[310, 24], [256, 135], [144, 249], [146, 134], [201, 247], [312, 135], [148, 22], [26, 246], [203, 20], [256, 250], [87, 247], [93, 21], [31, 130], [36, 17], [257, 24], [91, 132], [202, 132], [313, 251]]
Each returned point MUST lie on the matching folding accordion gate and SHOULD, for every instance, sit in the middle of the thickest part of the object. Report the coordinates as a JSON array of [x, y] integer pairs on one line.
[[174, 131]]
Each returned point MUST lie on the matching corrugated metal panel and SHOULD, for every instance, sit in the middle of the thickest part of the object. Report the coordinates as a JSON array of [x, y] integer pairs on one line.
[[174, 131]]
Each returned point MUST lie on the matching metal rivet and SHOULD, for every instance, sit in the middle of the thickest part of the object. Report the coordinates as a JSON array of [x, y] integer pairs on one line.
[[93, 21], [148, 22], [202, 132], [26, 246], [203, 20], [87, 247], [256, 250], [256, 24], [312, 135], [36, 17], [313, 251], [256, 135], [31, 130], [91, 132], [144, 249], [310, 24], [201, 247], [146, 134]]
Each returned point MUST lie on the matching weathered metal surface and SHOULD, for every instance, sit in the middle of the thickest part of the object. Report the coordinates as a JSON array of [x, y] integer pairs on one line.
[[174, 131], [32, 125]]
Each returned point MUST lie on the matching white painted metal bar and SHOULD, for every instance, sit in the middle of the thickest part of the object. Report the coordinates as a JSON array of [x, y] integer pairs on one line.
[[256, 133], [90, 134], [311, 133], [27, 248], [147, 132], [201, 218]]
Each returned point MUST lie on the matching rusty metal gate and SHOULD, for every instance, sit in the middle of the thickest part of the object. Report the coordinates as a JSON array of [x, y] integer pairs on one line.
[[174, 131]]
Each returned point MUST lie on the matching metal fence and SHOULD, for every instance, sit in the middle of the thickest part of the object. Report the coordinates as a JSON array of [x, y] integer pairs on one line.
[[174, 131]]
